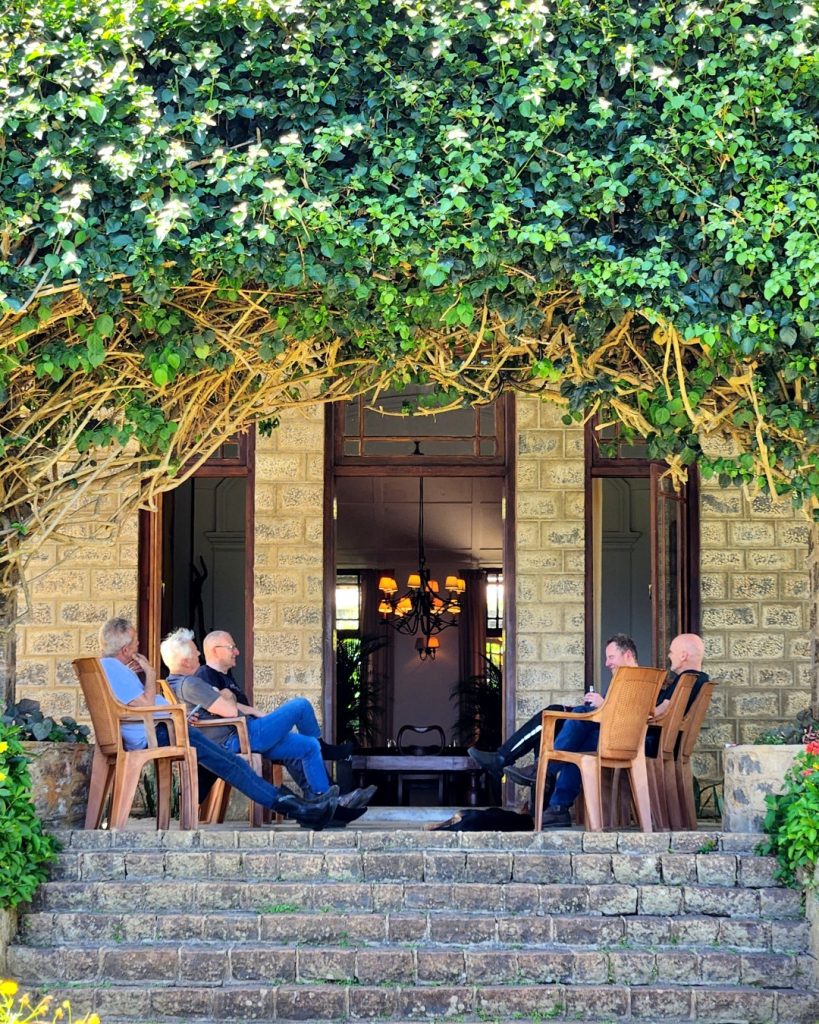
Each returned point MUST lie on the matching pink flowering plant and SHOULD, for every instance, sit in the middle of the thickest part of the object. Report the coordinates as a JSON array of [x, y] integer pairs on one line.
[[792, 821]]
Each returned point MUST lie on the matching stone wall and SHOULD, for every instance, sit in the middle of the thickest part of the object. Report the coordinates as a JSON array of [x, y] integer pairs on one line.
[[288, 568], [550, 558], [756, 617], [71, 591]]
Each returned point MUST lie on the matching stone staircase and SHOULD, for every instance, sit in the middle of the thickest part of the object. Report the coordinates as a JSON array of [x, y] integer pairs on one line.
[[284, 924]]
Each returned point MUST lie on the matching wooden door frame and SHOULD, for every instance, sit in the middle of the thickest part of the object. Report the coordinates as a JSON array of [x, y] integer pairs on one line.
[[505, 471], [640, 469], [150, 561]]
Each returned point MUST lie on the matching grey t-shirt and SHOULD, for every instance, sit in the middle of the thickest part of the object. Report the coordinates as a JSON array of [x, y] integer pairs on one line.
[[192, 691]]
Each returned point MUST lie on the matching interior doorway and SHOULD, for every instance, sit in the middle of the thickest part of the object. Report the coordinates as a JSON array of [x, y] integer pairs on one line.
[[642, 551], [196, 557], [381, 467]]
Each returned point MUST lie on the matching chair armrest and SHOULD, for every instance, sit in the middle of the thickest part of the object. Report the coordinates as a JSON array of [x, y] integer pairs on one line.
[[150, 714], [551, 718], [239, 724]]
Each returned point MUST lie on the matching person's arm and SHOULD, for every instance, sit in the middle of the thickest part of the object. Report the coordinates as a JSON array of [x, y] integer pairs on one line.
[[139, 663], [193, 690]]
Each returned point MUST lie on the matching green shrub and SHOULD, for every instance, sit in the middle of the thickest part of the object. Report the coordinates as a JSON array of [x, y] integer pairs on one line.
[[792, 821], [25, 851], [34, 725], [803, 730]]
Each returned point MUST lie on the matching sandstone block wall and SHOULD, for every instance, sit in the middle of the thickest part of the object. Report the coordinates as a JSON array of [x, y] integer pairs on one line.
[[550, 558], [71, 591], [757, 616], [288, 569]]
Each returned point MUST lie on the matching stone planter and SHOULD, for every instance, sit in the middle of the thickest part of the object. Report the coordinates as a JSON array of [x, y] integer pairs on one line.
[[59, 781], [751, 772]]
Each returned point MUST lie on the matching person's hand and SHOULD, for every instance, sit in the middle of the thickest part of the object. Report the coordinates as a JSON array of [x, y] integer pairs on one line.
[[139, 663], [593, 700]]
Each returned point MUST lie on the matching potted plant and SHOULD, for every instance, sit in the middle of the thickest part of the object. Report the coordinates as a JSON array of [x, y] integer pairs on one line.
[[791, 821], [755, 772], [59, 762]]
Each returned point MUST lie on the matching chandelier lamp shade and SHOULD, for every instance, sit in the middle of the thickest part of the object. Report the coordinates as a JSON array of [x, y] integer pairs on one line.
[[423, 610]]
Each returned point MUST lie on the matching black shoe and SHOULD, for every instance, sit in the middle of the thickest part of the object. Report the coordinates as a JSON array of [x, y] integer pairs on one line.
[[308, 796], [491, 761], [344, 815], [335, 751], [521, 776], [311, 813], [357, 798], [556, 817]]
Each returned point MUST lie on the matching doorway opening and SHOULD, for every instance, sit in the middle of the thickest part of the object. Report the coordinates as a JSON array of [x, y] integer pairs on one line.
[[382, 680], [196, 557], [642, 550]]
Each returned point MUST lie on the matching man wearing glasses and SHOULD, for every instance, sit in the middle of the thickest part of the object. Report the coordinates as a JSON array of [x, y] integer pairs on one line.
[[290, 734]]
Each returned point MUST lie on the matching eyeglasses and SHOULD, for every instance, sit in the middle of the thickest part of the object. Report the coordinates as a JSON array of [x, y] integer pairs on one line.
[[227, 647]]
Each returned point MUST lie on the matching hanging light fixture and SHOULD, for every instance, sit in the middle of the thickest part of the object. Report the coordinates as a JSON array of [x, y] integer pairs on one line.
[[421, 610]]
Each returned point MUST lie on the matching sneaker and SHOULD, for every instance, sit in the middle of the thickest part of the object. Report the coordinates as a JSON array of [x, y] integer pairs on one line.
[[556, 817], [491, 761]]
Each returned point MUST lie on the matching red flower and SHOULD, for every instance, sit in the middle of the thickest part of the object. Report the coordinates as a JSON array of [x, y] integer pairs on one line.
[[812, 748]]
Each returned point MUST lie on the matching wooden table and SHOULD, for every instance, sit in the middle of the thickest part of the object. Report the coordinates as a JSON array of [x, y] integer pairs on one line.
[[432, 766]]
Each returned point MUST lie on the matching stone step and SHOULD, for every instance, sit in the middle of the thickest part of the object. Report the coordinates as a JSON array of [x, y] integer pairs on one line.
[[511, 897], [280, 924], [284, 837], [169, 963], [669, 1003], [487, 866]]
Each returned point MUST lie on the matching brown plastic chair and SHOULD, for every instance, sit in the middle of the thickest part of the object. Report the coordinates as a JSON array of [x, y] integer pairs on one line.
[[668, 725], [213, 808], [623, 719], [679, 779], [117, 770]]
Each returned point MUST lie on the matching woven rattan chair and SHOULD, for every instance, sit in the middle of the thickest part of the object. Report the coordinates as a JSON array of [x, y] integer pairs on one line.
[[213, 808], [679, 779], [116, 770], [623, 719]]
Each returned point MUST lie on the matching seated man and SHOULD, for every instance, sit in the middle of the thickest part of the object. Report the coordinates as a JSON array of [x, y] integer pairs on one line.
[[685, 654], [620, 650], [121, 661], [271, 735]]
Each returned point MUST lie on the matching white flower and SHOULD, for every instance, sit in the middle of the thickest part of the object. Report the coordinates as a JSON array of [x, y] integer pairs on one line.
[[291, 139]]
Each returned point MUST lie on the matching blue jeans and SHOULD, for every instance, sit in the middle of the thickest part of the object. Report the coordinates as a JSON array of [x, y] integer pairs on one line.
[[232, 769], [581, 737], [272, 736]]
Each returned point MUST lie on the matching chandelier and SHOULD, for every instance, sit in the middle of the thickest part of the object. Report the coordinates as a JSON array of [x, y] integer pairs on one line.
[[421, 611]]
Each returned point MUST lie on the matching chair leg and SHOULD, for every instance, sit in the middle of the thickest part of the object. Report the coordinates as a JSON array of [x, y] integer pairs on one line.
[[126, 779], [675, 812], [656, 792], [685, 789], [102, 774], [189, 780], [540, 792], [592, 799], [640, 792], [164, 788]]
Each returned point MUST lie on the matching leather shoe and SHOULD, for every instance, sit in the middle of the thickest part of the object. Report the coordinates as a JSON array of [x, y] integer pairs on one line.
[[521, 776], [335, 751], [357, 798], [556, 817], [490, 761], [314, 813]]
